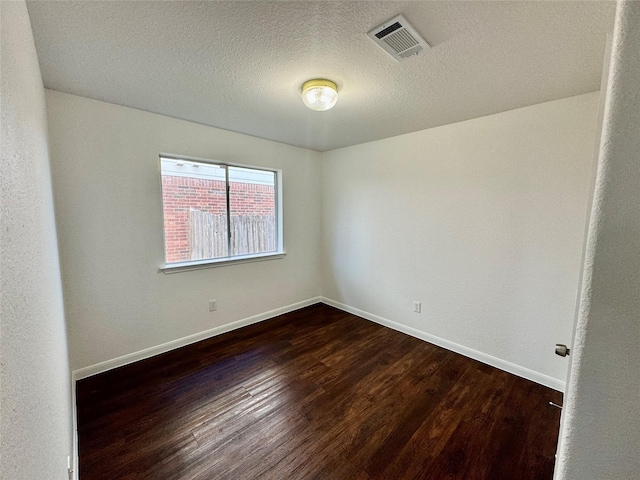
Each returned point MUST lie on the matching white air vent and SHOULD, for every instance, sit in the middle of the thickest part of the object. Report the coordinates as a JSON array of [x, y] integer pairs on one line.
[[398, 38]]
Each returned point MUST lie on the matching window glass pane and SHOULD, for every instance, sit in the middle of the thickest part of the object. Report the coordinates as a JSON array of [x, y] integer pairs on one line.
[[252, 195], [195, 210]]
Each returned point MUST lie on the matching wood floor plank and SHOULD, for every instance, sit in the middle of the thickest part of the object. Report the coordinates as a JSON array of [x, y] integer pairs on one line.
[[314, 394]]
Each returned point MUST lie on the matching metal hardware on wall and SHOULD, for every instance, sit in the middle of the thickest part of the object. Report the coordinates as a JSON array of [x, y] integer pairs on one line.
[[562, 350]]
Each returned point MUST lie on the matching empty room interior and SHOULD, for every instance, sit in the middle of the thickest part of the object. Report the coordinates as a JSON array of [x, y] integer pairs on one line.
[[345, 240]]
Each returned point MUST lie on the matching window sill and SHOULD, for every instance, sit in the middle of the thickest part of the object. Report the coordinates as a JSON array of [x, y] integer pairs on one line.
[[219, 262]]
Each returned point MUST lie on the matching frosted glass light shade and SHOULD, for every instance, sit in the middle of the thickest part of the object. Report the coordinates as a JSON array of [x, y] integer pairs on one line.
[[319, 94]]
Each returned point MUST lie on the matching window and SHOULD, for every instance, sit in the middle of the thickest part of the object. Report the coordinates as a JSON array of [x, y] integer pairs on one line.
[[216, 213]]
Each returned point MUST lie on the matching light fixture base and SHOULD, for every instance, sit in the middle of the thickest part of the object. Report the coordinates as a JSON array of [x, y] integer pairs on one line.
[[319, 82]]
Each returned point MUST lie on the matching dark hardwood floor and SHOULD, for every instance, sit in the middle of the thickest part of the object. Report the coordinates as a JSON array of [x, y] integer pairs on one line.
[[314, 394]]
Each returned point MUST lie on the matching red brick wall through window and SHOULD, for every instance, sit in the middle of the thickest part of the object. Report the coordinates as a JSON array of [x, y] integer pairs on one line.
[[179, 194]]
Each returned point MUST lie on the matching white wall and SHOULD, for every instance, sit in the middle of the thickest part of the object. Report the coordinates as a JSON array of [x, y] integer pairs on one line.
[[481, 221], [108, 204], [601, 430], [35, 401]]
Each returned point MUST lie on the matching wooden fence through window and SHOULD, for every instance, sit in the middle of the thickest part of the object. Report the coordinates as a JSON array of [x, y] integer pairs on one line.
[[249, 234]]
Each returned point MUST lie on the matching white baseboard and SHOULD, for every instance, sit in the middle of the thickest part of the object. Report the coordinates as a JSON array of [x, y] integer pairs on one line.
[[74, 424], [181, 342], [518, 370]]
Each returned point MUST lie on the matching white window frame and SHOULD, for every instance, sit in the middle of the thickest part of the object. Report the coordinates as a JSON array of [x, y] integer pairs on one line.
[[230, 260]]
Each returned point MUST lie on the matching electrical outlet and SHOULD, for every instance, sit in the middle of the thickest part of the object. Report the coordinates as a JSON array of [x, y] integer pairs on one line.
[[417, 307], [213, 305]]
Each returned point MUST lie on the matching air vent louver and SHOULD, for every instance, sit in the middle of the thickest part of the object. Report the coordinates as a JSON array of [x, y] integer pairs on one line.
[[398, 38], [388, 30]]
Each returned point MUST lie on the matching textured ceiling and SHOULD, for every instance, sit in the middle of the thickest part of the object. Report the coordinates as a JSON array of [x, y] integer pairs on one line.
[[238, 65]]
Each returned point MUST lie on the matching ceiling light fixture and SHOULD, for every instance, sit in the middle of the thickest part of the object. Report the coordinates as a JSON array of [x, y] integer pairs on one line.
[[319, 94]]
